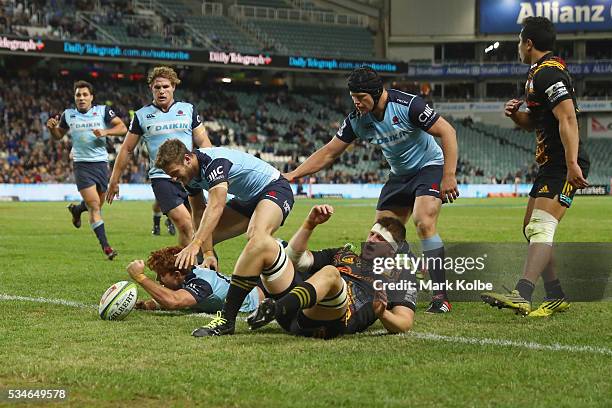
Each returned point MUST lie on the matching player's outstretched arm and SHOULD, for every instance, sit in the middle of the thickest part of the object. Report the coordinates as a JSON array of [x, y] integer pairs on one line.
[[203, 236], [200, 137], [118, 129], [320, 159], [448, 136], [522, 119], [167, 298], [568, 130], [121, 161], [297, 250]]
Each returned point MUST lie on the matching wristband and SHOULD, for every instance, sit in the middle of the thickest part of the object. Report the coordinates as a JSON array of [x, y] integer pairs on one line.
[[140, 277]]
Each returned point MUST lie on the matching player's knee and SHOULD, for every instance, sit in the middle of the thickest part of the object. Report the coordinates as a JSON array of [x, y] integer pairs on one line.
[[425, 226], [257, 234], [337, 299], [330, 272], [279, 265], [93, 206], [541, 227], [259, 244], [184, 225]]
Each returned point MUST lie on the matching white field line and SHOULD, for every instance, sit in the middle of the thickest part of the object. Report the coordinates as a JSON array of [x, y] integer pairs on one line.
[[501, 343], [418, 335], [48, 301], [79, 305]]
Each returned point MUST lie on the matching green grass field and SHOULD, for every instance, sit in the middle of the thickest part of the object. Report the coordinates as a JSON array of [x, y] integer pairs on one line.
[[474, 356]]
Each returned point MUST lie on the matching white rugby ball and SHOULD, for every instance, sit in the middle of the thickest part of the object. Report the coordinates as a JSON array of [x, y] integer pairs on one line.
[[118, 301]]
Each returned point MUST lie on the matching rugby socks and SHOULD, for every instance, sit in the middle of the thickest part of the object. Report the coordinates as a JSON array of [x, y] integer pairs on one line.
[[240, 286], [433, 250], [80, 207], [554, 290], [157, 218], [525, 289], [98, 229], [302, 296]]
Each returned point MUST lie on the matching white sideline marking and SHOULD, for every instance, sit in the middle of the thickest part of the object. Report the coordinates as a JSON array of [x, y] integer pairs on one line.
[[418, 335], [70, 303], [502, 343], [45, 300]]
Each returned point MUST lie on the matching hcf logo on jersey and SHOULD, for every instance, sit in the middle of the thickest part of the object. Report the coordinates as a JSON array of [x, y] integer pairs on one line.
[[216, 173], [426, 114]]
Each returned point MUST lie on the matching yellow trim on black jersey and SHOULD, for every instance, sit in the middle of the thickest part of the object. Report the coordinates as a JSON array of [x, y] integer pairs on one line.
[[550, 63]]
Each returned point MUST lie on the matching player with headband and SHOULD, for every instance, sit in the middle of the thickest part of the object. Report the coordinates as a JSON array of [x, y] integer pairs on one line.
[[340, 292]]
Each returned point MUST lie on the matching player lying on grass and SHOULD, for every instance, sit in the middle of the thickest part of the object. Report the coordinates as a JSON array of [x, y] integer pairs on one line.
[[199, 289], [262, 201], [338, 295], [338, 277]]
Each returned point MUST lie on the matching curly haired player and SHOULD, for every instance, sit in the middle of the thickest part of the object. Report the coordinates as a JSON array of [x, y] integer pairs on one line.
[[199, 289]]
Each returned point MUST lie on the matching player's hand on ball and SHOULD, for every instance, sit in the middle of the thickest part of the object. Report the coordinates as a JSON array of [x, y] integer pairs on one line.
[[136, 268], [575, 177], [53, 122], [512, 106], [448, 189], [319, 214], [99, 132], [187, 256], [112, 192]]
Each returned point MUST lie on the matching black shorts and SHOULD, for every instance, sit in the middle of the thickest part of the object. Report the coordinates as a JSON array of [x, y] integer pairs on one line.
[[169, 194], [320, 329], [297, 279], [87, 174], [278, 191], [401, 191], [551, 182]]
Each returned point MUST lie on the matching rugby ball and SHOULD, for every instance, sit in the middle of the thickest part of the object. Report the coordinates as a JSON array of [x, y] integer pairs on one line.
[[118, 301]]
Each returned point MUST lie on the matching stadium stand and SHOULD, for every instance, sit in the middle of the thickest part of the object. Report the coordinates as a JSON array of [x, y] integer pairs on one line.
[[182, 23], [281, 127], [319, 39]]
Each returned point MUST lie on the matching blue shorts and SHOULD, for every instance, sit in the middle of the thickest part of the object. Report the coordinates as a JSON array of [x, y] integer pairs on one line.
[[401, 191], [169, 194], [87, 174], [278, 191]]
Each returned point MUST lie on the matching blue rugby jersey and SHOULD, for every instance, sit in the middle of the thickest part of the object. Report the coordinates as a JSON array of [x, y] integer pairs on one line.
[[86, 147], [246, 175], [402, 134], [156, 126], [209, 288]]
